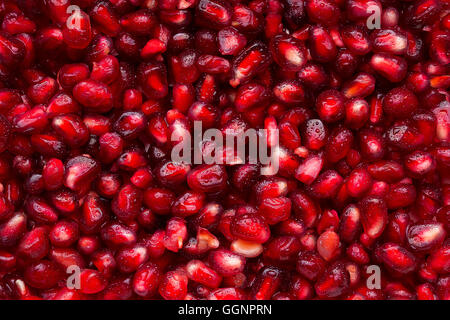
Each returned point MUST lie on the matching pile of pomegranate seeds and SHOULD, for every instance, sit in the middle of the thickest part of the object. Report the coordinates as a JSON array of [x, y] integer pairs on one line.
[[92, 206]]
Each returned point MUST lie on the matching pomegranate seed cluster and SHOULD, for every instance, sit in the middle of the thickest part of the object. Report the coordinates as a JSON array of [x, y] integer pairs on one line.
[[93, 206]]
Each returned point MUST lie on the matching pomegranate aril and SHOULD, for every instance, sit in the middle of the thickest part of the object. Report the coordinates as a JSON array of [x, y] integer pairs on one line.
[[310, 168], [289, 92], [322, 47], [32, 121], [356, 40], [390, 17], [372, 144], [374, 216], [72, 130], [173, 285], [247, 249], [400, 103], [389, 66], [439, 260], [87, 245], [267, 282], [34, 244], [212, 64], [275, 210], [230, 41], [42, 91], [305, 208], [361, 86], [205, 113], [338, 144], [425, 237], [64, 200], [226, 262], [333, 282], [205, 42], [94, 213], [176, 234], [315, 134], [330, 106], [64, 234], [323, 11], [62, 103], [396, 257], [129, 259], [207, 178], [227, 294], [117, 235], [288, 52], [358, 182], [328, 245], [313, 75], [199, 272], [139, 22], [249, 62], [127, 203], [357, 253], [250, 227], [421, 13], [105, 70], [80, 172], [146, 280], [12, 51], [77, 30], [91, 281], [188, 203], [389, 41], [39, 210], [43, 274], [159, 200], [356, 113], [103, 16]]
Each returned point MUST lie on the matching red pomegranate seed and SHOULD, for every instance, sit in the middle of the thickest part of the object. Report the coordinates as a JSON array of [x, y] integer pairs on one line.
[[130, 258], [389, 66], [338, 144], [146, 280], [199, 272], [330, 106], [396, 257], [374, 216], [267, 282], [323, 11], [250, 227], [43, 275], [323, 48], [91, 281], [250, 61], [356, 40], [80, 172], [275, 210], [173, 285], [207, 178], [230, 41], [333, 282], [424, 237], [361, 86], [328, 245], [127, 203]]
